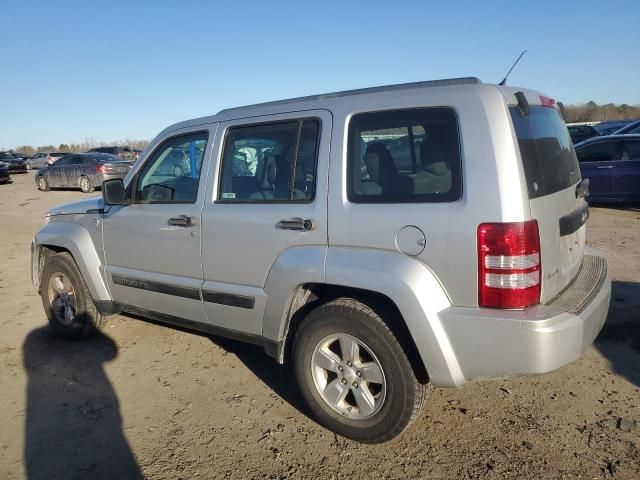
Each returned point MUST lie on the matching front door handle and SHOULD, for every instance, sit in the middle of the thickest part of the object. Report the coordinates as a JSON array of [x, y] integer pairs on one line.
[[181, 221], [605, 166], [295, 223]]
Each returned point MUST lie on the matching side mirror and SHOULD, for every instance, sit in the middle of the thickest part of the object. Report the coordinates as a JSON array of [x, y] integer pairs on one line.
[[113, 192]]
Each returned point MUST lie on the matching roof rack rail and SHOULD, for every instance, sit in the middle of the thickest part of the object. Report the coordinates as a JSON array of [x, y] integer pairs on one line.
[[361, 91]]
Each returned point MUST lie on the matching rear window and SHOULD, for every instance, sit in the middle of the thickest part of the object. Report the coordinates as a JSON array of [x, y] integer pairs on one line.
[[548, 157], [404, 156]]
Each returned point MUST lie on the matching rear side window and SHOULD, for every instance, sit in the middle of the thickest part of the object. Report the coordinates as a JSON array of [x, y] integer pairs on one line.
[[404, 156], [598, 152], [270, 162], [548, 157]]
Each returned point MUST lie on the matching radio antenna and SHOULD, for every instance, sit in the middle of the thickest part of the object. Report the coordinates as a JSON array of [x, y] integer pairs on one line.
[[504, 80]]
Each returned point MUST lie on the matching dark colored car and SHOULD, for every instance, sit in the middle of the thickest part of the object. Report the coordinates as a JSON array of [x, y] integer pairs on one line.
[[21, 155], [4, 172], [86, 171], [15, 164], [632, 128], [579, 133], [609, 127], [125, 153], [612, 165]]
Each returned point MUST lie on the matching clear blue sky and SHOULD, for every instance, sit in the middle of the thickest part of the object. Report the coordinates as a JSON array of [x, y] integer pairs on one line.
[[126, 69]]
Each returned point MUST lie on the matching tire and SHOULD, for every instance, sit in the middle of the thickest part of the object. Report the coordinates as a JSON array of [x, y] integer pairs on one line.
[[83, 319], [395, 396], [42, 183], [177, 171], [85, 185], [28, 165]]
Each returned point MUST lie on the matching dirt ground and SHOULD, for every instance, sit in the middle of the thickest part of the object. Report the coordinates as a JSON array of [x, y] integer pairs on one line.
[[144, 400]]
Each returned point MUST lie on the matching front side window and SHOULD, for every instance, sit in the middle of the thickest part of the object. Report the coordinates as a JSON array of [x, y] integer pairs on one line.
[[403, 156], [172, 173], [599, 152], [270, 162]]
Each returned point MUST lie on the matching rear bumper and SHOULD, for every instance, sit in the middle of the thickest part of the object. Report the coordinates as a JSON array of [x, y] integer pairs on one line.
[[498, 343]]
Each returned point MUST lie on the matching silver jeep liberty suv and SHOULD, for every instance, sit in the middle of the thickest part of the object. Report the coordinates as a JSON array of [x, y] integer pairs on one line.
[[377, 239]]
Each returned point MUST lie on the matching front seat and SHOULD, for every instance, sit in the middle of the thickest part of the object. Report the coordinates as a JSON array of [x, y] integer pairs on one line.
[[268, 180]]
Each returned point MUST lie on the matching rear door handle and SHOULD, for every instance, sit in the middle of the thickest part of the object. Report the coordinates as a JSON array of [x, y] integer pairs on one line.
[[605, 166], [181, 221], [295, 223]]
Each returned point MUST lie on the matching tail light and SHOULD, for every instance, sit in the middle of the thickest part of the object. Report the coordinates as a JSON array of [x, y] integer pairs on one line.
[[508, 265], [105, 169]]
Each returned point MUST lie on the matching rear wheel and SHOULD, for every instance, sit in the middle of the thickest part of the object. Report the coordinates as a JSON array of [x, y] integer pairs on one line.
[[85, 185], [66, 299], [354, 374], [28, 165], [43, 185]]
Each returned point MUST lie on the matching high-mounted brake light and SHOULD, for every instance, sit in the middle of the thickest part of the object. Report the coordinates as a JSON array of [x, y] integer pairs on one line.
[[508, 265], [547, 101]]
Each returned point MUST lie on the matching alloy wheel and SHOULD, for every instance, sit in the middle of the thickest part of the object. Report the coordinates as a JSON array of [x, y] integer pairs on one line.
[[62, 298], [348, 376]]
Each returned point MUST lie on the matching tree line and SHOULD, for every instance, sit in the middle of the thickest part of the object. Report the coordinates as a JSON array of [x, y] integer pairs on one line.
[[592, 112], [85, 146], [585, 112]]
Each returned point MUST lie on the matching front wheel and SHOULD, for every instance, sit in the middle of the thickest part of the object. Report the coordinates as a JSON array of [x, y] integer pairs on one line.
[[28, 165], [354, 374], [66, 299], [43, 185]]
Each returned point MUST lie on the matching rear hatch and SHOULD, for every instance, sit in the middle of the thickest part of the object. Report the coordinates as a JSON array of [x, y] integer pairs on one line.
[[552, 174]]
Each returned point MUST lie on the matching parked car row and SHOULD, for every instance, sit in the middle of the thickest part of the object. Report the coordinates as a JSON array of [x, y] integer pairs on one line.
[[85, 171], [42, 159], [612, 165], [583, 131]]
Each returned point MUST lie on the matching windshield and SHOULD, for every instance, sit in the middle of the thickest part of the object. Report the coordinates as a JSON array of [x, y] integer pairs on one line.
[[548, 157], [106, 157]]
